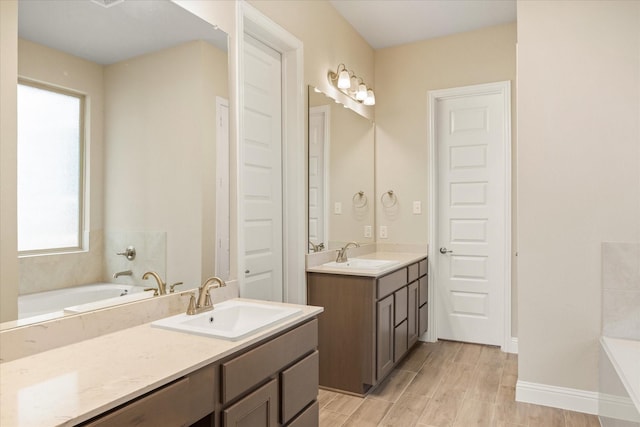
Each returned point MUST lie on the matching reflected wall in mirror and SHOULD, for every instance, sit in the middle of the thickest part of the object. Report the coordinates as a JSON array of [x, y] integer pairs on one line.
[[155, 77], [341, 174]]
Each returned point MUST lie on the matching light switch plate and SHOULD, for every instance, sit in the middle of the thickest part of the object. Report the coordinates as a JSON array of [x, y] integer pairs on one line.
[[337, 208], [383, 232], [367, 231], [417, 207]]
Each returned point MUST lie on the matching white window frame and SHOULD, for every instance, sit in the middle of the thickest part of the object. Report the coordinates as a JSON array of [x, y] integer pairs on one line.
[[81, 167]]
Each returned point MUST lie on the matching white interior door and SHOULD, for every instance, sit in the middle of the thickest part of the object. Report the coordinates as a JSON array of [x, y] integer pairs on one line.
[[318, 174], [223, 261], [471, 255], [261, 172]]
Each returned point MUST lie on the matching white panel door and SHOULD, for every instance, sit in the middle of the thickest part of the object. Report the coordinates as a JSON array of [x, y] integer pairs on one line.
[[470, 138], [318, 174], [223, 260], [262, 173]]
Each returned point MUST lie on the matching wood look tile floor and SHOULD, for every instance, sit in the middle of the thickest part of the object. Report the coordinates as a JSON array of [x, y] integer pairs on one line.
[[447, 384]]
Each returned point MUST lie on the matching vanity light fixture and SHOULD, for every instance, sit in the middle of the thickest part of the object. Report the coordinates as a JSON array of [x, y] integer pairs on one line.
[[351, 85]]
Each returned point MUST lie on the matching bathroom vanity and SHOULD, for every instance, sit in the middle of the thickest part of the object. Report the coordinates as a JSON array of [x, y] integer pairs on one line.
[[147, 376], [371, 319]]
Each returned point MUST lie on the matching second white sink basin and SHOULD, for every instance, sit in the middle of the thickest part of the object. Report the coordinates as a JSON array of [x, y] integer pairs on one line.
[[362, 264], [230, 320]]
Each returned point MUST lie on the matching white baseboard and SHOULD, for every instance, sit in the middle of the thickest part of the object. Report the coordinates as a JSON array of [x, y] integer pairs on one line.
[[558, 397], [512, 346], [618, 407]]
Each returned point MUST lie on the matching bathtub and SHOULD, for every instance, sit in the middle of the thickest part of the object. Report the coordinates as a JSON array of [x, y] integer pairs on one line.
[[78, 299], [619, 382]]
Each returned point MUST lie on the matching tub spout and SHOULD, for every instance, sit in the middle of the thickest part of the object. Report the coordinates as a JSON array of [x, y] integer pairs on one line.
[[122, 273]]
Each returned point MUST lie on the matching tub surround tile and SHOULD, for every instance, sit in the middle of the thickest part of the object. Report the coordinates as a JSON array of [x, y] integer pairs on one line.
[[22, 341], [70, 387], [621, 266], [151, 255]]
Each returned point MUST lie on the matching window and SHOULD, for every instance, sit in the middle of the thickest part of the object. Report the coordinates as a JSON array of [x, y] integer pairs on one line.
[[50, 169]]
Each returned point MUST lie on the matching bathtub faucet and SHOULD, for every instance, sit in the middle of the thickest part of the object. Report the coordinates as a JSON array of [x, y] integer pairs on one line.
[[122, 273]]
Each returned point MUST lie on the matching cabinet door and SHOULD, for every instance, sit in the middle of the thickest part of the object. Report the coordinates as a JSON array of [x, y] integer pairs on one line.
[[412, 314], [385, 336], [258, 409], [424, 312], [400, 341], [400, 305]]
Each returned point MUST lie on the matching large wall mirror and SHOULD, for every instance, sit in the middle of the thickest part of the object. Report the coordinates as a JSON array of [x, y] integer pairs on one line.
[[155, 82], [341, 175]]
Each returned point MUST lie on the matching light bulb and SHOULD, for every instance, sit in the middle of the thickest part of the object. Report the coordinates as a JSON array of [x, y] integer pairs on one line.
[[370, 99], [344, 81], [362, 92]]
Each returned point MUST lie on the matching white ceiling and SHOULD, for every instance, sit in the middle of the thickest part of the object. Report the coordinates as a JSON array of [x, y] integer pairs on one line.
[[385, 23], [108, 35]]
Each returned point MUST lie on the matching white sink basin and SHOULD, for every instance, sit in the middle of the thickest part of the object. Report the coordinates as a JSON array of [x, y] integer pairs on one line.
[[362, 264], [230, 320]]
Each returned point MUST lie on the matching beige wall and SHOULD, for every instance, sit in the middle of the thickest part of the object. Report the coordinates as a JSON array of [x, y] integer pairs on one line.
[[160, 150], [8, 160], [579, 176], [328, 41], [52, 67], [404, 75]]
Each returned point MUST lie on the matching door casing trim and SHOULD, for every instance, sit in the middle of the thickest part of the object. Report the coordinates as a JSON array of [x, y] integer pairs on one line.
[[252, 22], [502, 88]]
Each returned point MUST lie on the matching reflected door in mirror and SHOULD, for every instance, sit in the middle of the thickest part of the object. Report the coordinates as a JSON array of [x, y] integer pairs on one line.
[[318, 176]]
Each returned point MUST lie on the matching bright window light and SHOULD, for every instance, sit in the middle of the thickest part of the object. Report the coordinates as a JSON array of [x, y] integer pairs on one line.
[[50, 147]]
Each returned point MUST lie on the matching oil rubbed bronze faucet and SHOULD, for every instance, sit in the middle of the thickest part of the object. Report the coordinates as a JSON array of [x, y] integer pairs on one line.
[[342, 253], [204, 298]]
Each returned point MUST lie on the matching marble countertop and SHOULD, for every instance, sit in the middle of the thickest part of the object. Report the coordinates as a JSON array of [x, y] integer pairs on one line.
[[403, 259], [71, 384]]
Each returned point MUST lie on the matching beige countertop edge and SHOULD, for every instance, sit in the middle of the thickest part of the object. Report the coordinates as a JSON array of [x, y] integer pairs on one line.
[[71, 384], [403, 258]]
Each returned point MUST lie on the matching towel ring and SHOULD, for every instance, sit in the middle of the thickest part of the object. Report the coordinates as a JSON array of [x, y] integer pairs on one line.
[[391, 198], [359, 196]]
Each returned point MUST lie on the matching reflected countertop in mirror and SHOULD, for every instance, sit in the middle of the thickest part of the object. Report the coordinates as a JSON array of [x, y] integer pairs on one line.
[[152, 73], [341, 189]]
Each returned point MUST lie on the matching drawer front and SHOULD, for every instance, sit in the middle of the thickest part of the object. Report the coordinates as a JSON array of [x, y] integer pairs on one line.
[[252, 367], [392, 282], [258, 409], [423, 319], [309, 418], [400, 305], [299, 385], [422, 268], [424, 290], [413, 272], [400, 341], [168, 406]]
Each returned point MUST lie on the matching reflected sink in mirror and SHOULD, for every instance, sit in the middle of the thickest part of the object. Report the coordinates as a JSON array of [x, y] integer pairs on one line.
[[362, 264], [229, 320]]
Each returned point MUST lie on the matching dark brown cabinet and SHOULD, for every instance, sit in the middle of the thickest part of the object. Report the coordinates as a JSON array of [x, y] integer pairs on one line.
[[368, 324], [273, 383], [258, 409]]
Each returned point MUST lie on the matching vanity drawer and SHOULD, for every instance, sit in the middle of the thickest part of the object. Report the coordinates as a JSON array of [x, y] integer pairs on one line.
[[422, 267], [423, 291], [164, 407], [247, 370], [413, 272], [400, 305], [309, 418], [299, 386], [391, 282]]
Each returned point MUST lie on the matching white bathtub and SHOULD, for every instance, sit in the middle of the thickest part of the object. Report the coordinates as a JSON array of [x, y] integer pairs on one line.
[[619, 382], [78, 299]]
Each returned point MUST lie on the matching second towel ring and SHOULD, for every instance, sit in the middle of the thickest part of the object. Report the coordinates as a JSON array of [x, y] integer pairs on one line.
[[391, 199], [359, 199]]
